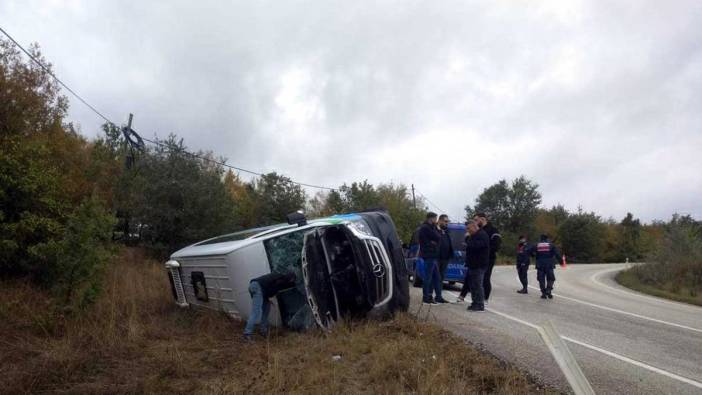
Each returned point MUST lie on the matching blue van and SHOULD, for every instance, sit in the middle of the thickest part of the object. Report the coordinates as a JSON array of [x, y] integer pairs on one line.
[[455, 272]]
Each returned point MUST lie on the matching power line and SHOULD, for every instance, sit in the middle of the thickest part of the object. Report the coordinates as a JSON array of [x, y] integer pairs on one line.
[[423, 196], [48, 71], [155, 142], [430, 202]]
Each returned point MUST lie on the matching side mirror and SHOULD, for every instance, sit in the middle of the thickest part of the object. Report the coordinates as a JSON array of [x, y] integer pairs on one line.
[[297, 218]]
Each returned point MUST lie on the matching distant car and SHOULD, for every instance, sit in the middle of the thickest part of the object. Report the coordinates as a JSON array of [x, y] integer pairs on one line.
[[346, 265], [455, 272]]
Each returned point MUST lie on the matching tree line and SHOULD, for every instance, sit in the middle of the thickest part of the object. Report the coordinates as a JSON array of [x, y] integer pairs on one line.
[[515, 208]]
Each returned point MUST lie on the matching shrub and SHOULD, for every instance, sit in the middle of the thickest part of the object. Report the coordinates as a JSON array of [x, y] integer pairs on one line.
[[74, 264], [676, 264]]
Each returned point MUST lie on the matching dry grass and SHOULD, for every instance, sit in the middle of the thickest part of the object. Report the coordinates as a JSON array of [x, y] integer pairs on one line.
[[135, 340], [670, 290]]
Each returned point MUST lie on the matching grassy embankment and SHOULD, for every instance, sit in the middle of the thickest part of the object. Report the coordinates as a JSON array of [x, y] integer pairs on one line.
[[135, 340], [632, 278], [674, 270]]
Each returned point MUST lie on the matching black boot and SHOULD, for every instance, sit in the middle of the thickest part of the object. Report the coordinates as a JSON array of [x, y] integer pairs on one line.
[[543, 296], [523, 291]]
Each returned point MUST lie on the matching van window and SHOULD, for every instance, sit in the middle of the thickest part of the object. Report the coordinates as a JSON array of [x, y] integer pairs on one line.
[[457, 237], [284, 256], [241, 235]]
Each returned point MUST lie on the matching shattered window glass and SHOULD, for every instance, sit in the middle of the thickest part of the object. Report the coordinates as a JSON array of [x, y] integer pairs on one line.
[[285, 255]]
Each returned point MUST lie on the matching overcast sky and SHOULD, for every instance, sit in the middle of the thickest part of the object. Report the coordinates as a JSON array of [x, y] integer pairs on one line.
[[598, 102]]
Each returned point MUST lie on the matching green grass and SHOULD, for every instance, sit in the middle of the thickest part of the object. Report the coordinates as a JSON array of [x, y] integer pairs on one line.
[[630, 279]]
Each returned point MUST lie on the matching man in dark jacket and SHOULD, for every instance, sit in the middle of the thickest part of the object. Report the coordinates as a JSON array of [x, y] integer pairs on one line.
[[477, 260], [445, 248], [429, 239], [495, 243], [261, 290], [546, 257], [523, 261]]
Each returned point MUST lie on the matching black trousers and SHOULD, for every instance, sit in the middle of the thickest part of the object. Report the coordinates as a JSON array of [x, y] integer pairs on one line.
[[522, 271], [487, 285], [546, 279], [466, 284]]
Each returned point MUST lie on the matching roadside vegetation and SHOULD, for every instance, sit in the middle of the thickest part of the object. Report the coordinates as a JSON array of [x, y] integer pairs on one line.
[[674, 268], [133, 339]]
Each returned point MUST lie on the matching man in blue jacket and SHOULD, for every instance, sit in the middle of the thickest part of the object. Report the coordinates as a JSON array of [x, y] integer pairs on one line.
[[429, 239], [523, 261], [546, 257]]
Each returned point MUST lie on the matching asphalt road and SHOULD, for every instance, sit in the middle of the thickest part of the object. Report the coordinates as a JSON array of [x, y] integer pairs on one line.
[[625, 342]]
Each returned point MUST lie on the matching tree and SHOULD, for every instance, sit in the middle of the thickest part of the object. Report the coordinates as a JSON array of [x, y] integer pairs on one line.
[[75, 262], [631, 238], [512, 208], [493, 201], [582, 236], [53, 224], [359, 196], [246, 205], [397, 201], [42, 162], [179, 199], [277, 197], [524, 199]]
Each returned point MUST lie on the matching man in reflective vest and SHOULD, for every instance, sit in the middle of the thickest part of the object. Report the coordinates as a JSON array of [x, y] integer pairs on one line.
[[546, 257]]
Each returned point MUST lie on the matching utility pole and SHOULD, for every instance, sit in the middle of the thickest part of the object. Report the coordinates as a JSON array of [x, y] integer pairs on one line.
[[414, 200]]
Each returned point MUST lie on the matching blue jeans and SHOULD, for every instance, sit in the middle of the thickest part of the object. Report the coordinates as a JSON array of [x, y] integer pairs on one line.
[[432, 279], [260, 307], [477, 292]]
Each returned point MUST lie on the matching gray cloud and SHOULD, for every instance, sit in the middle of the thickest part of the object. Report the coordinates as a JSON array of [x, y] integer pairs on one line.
[[597, 102]]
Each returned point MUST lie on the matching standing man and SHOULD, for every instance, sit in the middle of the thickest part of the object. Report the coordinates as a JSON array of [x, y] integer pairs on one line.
[[523, 261], [261, 290], [466, 281], [495, 242], [547, 256], [445, 248], [477, 260], [429, 239]]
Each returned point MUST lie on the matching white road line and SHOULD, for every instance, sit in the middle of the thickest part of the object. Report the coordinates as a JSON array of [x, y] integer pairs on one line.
[[595, 279], [643, 317], [606, 352], [636, 363]]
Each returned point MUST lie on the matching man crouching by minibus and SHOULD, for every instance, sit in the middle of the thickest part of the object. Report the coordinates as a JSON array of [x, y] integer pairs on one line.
[[261, 290]]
